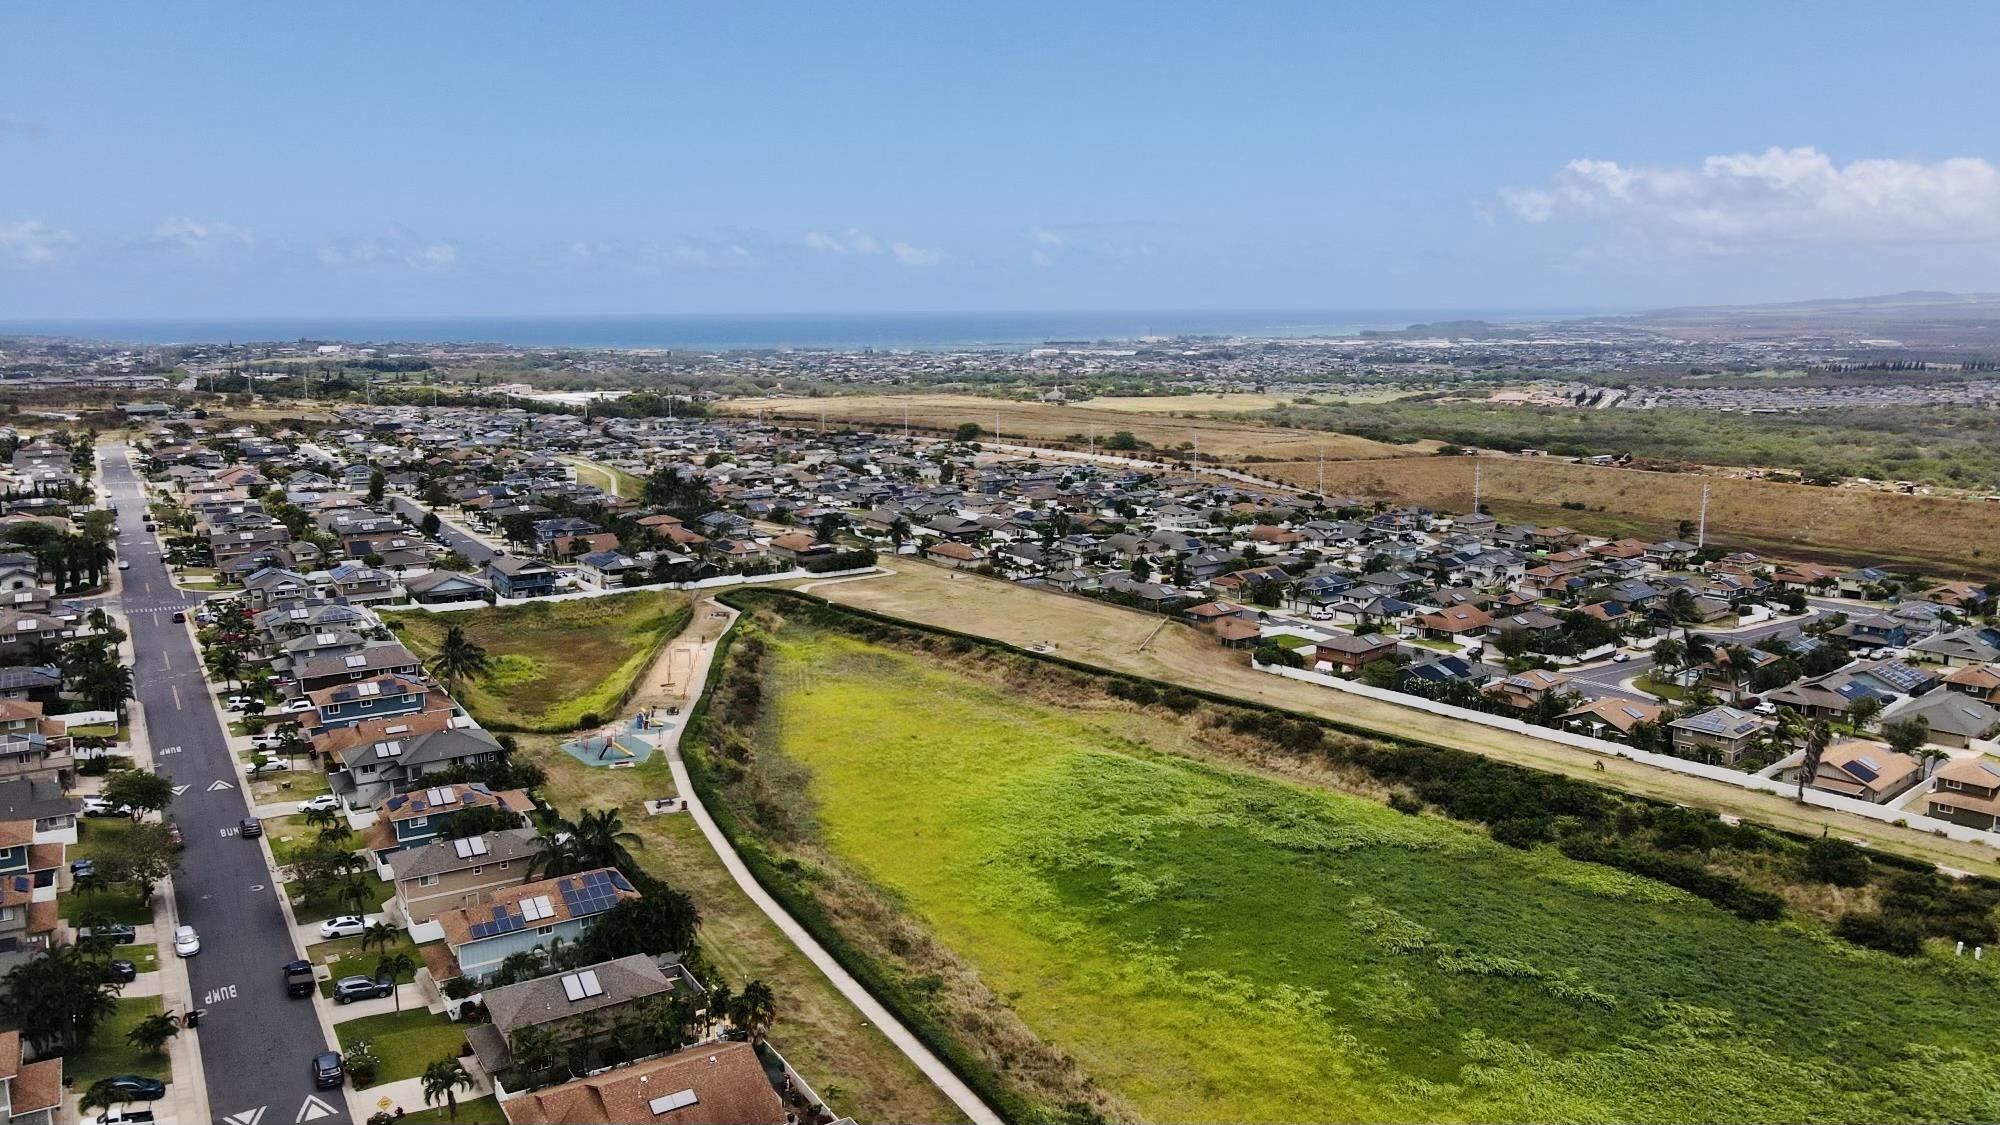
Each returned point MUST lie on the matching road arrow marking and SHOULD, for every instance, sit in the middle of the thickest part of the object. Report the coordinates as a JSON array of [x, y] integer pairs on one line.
[[220, 785], [247, 1117], [313, 1110], [181, 789]]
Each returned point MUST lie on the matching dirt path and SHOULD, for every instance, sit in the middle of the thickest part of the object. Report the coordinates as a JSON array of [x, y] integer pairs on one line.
[[1110, 637]]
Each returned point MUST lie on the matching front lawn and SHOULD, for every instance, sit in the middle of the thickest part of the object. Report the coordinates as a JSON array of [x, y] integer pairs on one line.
[[118, 905], [350, 960], [317, 909], [406, 1041], [109, 1053], [554, 665]]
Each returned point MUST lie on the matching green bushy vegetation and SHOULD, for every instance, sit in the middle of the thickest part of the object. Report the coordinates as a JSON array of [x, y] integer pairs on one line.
[[993, 841]]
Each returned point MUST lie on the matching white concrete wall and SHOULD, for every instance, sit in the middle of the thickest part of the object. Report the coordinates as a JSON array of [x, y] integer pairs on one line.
[[722, 582]]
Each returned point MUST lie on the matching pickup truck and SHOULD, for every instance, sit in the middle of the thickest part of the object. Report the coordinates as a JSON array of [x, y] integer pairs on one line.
[[299, 978]]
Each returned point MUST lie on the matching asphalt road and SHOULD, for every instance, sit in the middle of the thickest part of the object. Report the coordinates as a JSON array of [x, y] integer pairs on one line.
[[1599, 680], [452, 537], [256, 1043]]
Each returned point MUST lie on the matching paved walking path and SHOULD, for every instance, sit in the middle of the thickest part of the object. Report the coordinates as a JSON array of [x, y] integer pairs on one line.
[[933, 1068]]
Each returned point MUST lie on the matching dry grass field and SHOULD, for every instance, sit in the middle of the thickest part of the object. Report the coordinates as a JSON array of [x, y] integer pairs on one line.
[[1938, 535], [1231, 441], [1109, 636]]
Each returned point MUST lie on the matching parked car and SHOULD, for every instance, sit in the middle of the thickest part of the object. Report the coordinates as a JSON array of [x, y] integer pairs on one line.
[[250, 828], [136, 1088], [328, 1070], [187, 943], [124, 565], [349, 989], [120, 970], [174, 836], [275, 765], [1620, 658], [295, 706], [82, 868], [180, 618], [265, 741], [325, 801], [118, 932], [98, 806], [236, 703], [298, 978], [347, 925]]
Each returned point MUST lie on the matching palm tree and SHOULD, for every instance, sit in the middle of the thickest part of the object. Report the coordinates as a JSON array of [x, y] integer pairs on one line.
[[755, 1009], [536, 1051], [379, 933], [355, 895], [227, 663], [442, 1080], [1815, 735], [603, 841], [101, 1095], [459, 658], [151, 1034], [393, 966], [556, 850], [720, 1002]]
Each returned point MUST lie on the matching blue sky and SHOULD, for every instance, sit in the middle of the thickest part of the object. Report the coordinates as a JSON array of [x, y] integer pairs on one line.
[[362, 159]]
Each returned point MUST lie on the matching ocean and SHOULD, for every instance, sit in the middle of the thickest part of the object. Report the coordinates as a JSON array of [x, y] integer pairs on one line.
[[914, 331]]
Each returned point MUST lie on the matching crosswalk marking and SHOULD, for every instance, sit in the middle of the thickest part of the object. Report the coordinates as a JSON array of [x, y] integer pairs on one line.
[[247, 1117], [313, 1110]]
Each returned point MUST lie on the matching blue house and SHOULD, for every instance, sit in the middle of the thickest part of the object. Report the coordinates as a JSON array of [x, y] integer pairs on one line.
[[344, 705], [534, 914], [419, 816], [520, 578]]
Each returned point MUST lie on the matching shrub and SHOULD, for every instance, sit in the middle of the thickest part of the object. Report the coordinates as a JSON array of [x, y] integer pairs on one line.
[[1838, 862], [1879, 931]]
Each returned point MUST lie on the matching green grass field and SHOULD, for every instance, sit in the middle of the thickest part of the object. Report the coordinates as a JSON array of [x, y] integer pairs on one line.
[[1212, 945], [477, 1111], [554, 663], [109, 1053], [405, 1041]]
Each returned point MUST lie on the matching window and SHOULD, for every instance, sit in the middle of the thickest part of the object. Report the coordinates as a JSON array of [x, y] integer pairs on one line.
[[478, 870], [427, 881], [546, 930], [419, 822]]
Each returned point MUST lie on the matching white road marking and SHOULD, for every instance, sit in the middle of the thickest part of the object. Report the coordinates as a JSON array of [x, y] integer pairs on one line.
[[220, 785], [313, 1110], [247, 1117], [179, 790]]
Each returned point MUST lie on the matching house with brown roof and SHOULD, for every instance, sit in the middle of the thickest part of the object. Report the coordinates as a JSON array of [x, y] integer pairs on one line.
[[1864, 770], [1524, 691], [528, 916], [1612, 715], [707, 1084], [1350, 652], [1455, 621], [1981, 681], [1967, 791], [450, 874], [957, 555], [30, 1092]]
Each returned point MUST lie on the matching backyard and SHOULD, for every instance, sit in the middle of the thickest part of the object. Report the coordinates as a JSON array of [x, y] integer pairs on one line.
[[553, 666], [1267, 951]]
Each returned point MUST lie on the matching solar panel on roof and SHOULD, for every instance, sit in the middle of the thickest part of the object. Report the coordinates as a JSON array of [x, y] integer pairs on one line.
[[680, 1099], [1863, 769]]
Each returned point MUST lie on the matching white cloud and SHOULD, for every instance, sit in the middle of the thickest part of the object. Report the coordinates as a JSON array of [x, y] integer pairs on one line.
[[396, 247], [33, 243], [194, 234], [1796, 195], [915, 255], [850, 241]]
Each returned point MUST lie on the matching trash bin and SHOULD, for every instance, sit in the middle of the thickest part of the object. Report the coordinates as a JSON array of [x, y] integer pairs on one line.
[[193, 1018]]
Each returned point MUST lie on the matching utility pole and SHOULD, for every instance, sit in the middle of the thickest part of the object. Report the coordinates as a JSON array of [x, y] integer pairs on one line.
[[906, 421], [1319, 481], [1701, 535], [1476, 470]]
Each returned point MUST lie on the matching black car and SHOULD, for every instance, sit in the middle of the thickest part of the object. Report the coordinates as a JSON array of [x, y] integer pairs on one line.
[[134, 1088], [251, 828], [118, 932], [328, 1071], [362, 988], [298, 978], [121, 970], [180, 618], [82, 868]]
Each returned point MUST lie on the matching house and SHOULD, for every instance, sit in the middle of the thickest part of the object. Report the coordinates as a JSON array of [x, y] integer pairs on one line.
[[411, 819], [369, 772], [1874, 630], [528, 916], [952, 554], [1721, 734], [451, 874], [442, 587], [1349, 652], [274, 586], [1961, 647], [707, 1084], [1808, 576], [42, 803], [1955, 719], [347, 704], [1963, 596], [1455, 622], [32, 1092], [560, 1002], [1617, 714], [1525, 691], [31, 747], [1980, 681], [609, 570], [1967, 791], [1866, 771], [515, 577], [318, 672]]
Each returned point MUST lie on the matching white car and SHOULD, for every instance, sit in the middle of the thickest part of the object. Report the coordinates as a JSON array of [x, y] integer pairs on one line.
[[1621, 658], [187, 943], [236, 703], [326, 801], [265, 742], [347, 925], [295, 706], [124, 565], [275, 765], [98, 806]]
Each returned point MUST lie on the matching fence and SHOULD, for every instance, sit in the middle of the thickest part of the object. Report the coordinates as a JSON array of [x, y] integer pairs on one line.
[[722, 582], [1608, 748]]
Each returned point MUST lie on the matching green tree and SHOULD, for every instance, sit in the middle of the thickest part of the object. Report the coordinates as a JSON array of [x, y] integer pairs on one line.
[[756, 1008], [152, 1033], [145, 792], [442, 1081], [663, 920], [1907, 736], [968, 431], [1863, 712], [379, 933], [538, 1053], [430, 524], [602, 840], [378, 482], [459, 658], [58, 998], [396, 966]]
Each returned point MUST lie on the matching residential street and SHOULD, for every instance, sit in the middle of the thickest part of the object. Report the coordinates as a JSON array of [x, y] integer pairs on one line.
[[479, 553], [255, 1042]]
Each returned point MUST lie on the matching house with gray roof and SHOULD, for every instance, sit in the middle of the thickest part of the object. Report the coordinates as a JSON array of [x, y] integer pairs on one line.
[[1720, 734], [558, 1002]]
